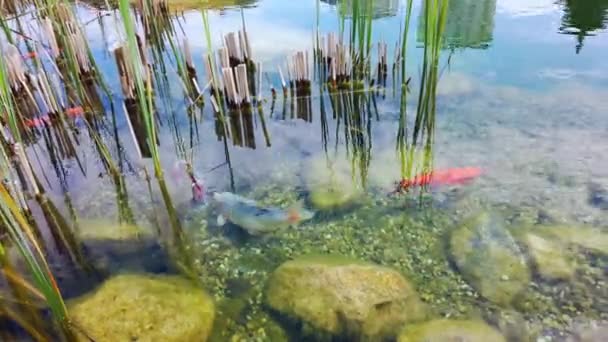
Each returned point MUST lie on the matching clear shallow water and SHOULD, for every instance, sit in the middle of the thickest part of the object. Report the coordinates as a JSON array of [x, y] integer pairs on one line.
[[520, 98]]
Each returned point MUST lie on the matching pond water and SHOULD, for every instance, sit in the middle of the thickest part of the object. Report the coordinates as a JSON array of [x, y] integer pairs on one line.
[[519, 253]]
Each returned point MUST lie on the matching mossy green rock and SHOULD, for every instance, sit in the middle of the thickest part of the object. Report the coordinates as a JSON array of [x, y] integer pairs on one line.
[[114, 247], [589, 238], [342, 296], [331, 195], [144, 308], [489, 258], [104, 230], [444, 330], [552, 261], [331, 185]]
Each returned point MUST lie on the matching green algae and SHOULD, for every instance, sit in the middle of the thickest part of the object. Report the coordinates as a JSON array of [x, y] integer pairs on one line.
[[330, 196], [552, 262], [104, 230], [592, 239], [331, 185]]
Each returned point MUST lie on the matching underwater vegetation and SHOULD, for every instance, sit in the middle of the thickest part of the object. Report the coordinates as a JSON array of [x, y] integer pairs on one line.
[[122, 221]]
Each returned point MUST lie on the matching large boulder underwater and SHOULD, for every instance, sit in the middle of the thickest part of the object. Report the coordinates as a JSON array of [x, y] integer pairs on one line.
[[489, 258], [133, 307], [339, 296]]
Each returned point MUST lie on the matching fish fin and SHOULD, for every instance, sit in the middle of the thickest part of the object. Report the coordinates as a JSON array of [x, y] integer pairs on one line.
[[221, 220], [294, 212]]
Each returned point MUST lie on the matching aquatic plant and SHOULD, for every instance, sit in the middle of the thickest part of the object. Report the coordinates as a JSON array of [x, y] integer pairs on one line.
[[19, 229], [217, 93], [402, 144], [145, 102], [20, 308], [435, 19], [435, 13]]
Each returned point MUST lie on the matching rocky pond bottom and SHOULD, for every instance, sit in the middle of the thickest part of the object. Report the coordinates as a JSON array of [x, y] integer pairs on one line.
[[370, 268]]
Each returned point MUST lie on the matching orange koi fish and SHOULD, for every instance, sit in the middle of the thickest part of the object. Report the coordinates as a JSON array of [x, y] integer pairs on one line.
[[439, 177]]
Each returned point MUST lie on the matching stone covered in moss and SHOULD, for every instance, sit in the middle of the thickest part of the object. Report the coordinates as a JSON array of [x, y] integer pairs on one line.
[[341, 296], [489, 258], [444, 330], [331, 184], [114, 247], [592, 239], [144, 308], [551, 260], [513, 325], [105, 230]]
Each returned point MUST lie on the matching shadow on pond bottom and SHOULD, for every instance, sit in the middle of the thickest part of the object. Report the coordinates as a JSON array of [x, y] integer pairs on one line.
[[371, 268]]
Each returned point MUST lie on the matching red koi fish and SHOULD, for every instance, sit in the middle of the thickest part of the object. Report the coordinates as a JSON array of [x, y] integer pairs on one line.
[[37, 122], [439, 177]]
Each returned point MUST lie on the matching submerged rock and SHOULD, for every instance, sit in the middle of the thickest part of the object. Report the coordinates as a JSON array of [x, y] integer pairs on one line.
[[331, 184], [341, 296], [105, 230], [588, 238], [116, 247], [513, 325], [144, 308], [330, 195], [444, 330], [489, 258], [557, 251], [551, 260]]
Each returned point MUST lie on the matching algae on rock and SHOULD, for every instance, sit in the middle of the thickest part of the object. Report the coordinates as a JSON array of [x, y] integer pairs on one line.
[[144, 308], [342, 296], [489, 258], [104, 230], [112, 246], [551, 260], [443, 330], [589, 238], [556, 249], [331, 183]]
